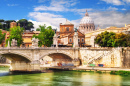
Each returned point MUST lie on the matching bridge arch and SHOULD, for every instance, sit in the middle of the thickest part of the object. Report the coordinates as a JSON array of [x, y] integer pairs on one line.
[[57, 52], [17, 54]]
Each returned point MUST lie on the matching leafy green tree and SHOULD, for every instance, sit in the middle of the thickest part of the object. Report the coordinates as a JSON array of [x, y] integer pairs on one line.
[[2, 36], [37, 29], [120, 40], [25, 24], [110, 39], [46, 36], [1, 26], [128, 40], [16, 33], [105, 39], [1, 20], [8, 23]]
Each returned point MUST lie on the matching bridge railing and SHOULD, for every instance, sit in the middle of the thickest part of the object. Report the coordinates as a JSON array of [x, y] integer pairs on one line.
[[37, 48], [63, 47]]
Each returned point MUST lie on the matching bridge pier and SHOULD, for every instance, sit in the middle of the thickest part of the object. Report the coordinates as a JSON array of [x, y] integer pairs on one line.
[[25, 67]]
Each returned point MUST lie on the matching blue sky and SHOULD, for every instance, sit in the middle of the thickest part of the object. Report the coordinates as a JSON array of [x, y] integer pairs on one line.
[[105, 13]]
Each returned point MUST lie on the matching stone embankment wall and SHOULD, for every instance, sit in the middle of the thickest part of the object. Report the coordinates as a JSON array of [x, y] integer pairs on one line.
[[108, 57], [126, 57]]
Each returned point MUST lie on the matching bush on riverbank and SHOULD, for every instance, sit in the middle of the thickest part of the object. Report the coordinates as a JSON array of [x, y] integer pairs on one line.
[[4, 67], [126, 73]]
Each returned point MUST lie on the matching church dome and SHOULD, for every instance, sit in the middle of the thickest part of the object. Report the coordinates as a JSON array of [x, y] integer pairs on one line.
[[86, 24], [86, 19]]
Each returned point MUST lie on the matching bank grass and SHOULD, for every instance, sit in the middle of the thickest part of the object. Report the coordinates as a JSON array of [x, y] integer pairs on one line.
[[99, 72], [120, 72], [83, 70], [4, 66]]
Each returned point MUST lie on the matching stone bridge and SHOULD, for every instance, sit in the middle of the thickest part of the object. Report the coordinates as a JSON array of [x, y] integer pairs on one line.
[[28, 59]]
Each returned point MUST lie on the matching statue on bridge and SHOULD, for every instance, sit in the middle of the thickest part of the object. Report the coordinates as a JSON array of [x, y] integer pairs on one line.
[[14, 43], [35, 42]]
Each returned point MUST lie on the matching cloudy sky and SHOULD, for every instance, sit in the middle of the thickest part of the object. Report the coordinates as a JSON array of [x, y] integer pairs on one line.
[[105, 13]]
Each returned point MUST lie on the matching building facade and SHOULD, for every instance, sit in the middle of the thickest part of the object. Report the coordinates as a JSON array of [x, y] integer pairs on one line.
[[66, 35]]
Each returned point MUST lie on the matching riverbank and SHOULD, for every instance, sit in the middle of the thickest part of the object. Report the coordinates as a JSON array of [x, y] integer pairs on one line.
[[4, 65], [87, 69], [80, 68]]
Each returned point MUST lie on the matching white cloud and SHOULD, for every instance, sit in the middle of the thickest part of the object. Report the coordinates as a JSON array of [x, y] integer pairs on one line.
[[123, 9], [12, 4], [114, 2], [41, 1], [51, 8], [110, 18], [57, 5], [127, 1], [36, 24], [49, 19], [112, 8]]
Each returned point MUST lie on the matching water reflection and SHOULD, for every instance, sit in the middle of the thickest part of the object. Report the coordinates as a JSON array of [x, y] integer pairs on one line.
[[63, 78]]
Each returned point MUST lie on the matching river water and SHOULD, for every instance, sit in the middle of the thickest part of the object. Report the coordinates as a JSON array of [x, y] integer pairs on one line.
[[62, 78]]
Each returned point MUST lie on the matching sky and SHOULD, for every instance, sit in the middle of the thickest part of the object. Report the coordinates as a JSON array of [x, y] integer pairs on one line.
[[104, 13]]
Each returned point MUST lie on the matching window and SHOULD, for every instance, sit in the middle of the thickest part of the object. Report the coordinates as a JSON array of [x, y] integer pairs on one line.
[[82, 39], [67, 29], [78, 39], [70, 40]]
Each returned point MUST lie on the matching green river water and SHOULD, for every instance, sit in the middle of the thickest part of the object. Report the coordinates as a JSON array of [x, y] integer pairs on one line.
[[62, 78]]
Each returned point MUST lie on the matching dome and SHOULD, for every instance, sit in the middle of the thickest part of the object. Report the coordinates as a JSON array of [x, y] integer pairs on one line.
[[86, 19], [86, 24]]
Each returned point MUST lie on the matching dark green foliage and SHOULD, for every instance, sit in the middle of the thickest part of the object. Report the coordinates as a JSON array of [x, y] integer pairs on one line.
[[2, 36], [25, 24], [5, 24], [126, 73], [98, 71], [46, 36], [1, 20], [37, 29], [16, 33], [110, 39]]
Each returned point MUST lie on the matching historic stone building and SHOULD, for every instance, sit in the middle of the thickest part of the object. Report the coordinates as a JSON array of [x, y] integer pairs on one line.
[[66, 35], [86, 24], [65, 28]]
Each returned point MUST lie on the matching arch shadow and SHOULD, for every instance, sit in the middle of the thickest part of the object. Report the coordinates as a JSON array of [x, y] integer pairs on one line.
[[17, 56]]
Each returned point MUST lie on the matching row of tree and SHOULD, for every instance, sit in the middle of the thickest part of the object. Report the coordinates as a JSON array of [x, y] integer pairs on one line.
[[111, 39], [5, 24], [45, 36]]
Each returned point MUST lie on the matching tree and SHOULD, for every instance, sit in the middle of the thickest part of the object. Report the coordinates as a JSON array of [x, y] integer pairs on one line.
[[8, 23], [1, 26], [110, 39], [105, 39], [1, 20], [2, 36], [37, 29], [128, 40], [46, 36], [25, 24], [16, 33], [120, 40]]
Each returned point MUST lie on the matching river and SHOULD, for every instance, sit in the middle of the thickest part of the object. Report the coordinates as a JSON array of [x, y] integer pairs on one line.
[[62, 78]]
